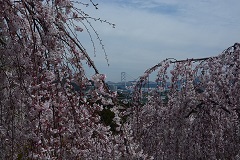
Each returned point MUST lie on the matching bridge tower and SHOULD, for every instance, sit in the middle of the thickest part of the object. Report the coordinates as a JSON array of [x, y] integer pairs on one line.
[[123, 77]]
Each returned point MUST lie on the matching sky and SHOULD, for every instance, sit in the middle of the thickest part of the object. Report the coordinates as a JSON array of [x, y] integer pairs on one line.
[[149, 31]]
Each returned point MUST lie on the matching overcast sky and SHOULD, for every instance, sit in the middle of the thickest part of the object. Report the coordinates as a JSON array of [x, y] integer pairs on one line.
[[149, 31]]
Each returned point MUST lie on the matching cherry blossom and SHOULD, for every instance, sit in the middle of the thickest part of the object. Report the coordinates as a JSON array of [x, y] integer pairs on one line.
[[197, 117], [47, 110]]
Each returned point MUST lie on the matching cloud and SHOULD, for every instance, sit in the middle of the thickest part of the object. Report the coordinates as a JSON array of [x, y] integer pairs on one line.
[[149, 31]]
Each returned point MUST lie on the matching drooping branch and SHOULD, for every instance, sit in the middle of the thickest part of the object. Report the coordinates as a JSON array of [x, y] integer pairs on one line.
[[193, 113]]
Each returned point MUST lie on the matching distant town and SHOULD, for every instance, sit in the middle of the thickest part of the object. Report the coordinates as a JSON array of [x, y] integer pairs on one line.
[[123, 86]]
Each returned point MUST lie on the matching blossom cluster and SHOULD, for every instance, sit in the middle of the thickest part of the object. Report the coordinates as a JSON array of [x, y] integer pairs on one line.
[[48, 109], [194, 111]]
